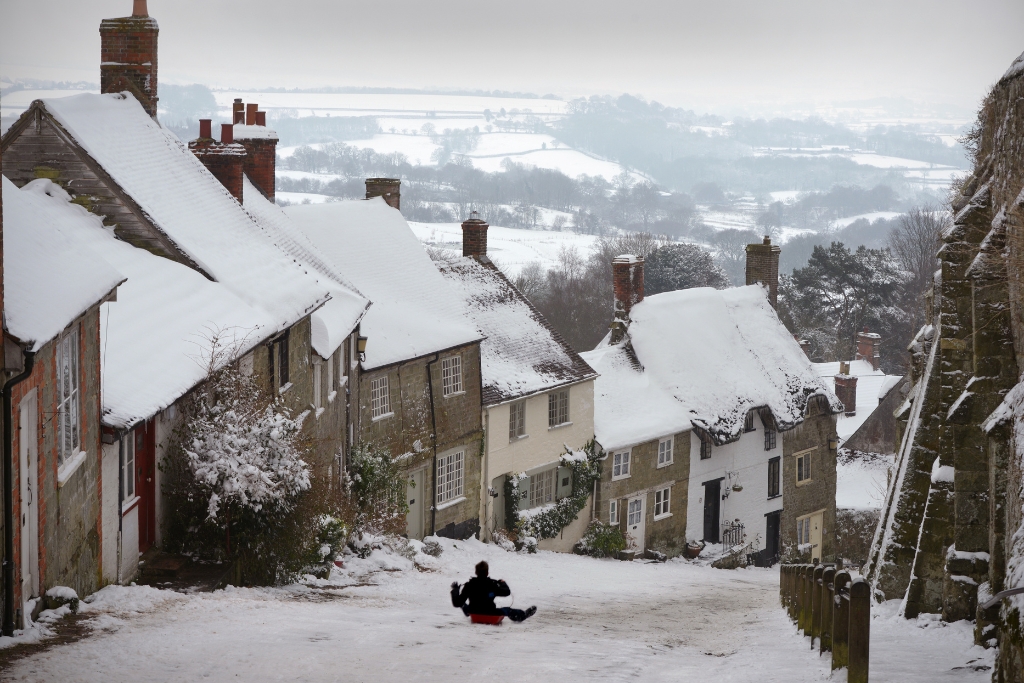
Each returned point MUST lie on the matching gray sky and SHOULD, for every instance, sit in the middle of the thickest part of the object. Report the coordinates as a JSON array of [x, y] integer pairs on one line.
[[707, 54]]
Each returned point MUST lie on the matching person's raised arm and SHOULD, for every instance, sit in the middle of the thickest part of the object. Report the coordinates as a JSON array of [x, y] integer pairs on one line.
[[502, 589]]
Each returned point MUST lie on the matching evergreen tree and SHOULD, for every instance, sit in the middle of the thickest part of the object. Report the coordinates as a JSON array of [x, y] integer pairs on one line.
[[681, 266]]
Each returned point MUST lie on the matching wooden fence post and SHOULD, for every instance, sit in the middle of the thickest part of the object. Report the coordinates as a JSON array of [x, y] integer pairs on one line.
[[841, 621], [816, 603], [802, 595], [860, 630], [827, 604]]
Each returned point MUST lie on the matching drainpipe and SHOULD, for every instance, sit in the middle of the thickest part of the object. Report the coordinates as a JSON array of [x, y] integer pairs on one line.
[[433, 441], [120, 500], [8, 625]]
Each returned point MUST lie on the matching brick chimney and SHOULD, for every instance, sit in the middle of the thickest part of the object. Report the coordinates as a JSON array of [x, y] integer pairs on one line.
[[224, 159], [474, 237], [628, 288], [388, 188], [128, 56], [805, 345], [763, 267], [846, 389], [867, 347], [260, 145]]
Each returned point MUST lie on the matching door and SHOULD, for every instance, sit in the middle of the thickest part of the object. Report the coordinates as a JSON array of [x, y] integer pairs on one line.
[[816, 520], [28, 453], [145, 483], [771, 536], [636, 522], [712, 510], [414, 493]]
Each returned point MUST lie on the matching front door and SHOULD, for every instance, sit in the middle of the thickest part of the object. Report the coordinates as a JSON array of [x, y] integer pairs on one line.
[[28, 451], [771, 536], [816, 520], [636, 523], [414, 493], [712, 510], [145, 482]]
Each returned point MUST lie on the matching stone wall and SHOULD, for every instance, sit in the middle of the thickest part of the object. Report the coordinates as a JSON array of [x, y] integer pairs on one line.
[[815, 432]]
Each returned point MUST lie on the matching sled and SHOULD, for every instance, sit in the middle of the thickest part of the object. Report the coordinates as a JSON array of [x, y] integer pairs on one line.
[[492, 619]]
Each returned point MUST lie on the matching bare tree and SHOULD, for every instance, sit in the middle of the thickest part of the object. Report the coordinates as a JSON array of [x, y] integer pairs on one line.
[[915, 244]]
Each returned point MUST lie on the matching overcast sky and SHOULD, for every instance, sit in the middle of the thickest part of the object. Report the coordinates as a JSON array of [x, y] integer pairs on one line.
[[707, 54]]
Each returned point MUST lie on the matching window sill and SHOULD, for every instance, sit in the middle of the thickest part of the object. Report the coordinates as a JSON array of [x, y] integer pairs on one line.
[[559, 426], [777, 495], [71, 466], [331, 396], [804, 482], [450, 503], [285, 388], [666, 464], [661, 517], [455, 393], [382, 417], [620, 478], [519, 438], [127, 506]]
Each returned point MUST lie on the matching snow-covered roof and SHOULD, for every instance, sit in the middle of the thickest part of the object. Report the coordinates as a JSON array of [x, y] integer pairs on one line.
[[186, 202], [48, 279], [521, 353], [700, 357], [336, 319], [414, 311], [871, 388], [244, 132]]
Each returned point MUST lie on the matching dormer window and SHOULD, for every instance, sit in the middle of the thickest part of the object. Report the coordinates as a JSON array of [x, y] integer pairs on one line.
[[705, 447], [748, 421]]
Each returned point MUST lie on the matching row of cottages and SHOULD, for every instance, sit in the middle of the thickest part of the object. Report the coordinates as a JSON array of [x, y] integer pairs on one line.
[[715, 426], [208, 269]]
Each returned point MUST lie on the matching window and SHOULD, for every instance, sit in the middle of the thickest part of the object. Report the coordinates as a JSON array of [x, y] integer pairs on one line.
[[282, 361], [449, 477], [330, 378], [769, 438], [451, 375], [773, 477], [68, 413], [558, 408], [318, 381], [705, 447], [803, 466], [633, 512], [380, 397], [128, 467], [620, 465], [661, 503], [665, 452], [748, 421], [516, 420], [542, 488], [803, 531], [613, 512]]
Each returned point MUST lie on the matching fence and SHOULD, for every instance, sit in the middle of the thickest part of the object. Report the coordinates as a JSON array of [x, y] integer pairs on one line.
[[833, 607], [732, 535]]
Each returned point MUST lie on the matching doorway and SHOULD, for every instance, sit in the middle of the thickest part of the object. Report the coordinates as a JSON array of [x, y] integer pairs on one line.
[[712, 510], [636, 522], [414, 495], [28, 452], [145, 482], [771, 536], [809, 532]]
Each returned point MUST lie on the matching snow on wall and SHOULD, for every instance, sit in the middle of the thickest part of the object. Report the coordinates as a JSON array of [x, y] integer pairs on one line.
[[414, 312], [49, 280], [1012, 410]]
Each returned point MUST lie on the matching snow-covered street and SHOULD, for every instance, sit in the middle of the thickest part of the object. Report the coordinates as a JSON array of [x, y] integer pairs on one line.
[[387, 618]]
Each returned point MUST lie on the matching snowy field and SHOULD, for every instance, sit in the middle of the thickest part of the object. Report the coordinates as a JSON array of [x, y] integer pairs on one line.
[[390, 619]]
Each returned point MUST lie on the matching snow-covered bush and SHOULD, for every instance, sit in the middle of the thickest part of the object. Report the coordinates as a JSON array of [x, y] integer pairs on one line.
[[376, 484], [601, 540]]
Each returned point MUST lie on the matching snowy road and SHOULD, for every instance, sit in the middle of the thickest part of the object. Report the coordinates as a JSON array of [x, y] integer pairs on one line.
[[597, 620]]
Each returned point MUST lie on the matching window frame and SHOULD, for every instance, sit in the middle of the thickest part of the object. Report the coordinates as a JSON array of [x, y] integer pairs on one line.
[[380, 398], [705, 446], [516, 420], [670, 458], [663, 503], [558, 407], [128, 468], [621, 460], [774, 477], [318, 385], [748, 422], [637, 510], [449, 478], [451, 376], [802, 466], [69, 397], [283, 362], [613, 512], [770, 439], [543, 485]]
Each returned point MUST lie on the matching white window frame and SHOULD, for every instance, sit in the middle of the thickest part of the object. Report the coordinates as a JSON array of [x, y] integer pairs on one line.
[[663, 503], [634, 511], [69, 414], [450, 477], [558, 408], [621, 464], [318, 385], [451, 376], [613, 512], [665, 449], [516, 420], [380, 398], [542, 487], [128, 467], [802, 466]]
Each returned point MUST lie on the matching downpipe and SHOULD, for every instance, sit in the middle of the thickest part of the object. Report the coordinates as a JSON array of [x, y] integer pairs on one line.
[[433, 441], [8, 623]]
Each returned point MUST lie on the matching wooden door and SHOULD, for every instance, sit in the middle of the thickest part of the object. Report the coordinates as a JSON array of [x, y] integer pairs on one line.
[[712, 510], [771, 536], [145, 482], [416, 494], [816, 520], [28, 452], [636, 522]]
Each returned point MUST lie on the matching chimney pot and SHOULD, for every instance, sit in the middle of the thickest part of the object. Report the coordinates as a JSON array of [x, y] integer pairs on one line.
[[237, 111], [227, 133], [250, 114], [474, 236], [767, 240], [388, 188], [139, 9], [205, 128], [261, 118]]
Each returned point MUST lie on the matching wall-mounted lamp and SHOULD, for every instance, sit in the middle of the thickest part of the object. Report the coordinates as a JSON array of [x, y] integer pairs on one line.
[[361, 344], [833, 444]]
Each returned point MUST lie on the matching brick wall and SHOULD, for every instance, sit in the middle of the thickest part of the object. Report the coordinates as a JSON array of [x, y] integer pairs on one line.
[[763, 267], [128, 58], [225, 162], [261, 163], [388, 188], [846, 391], [474, 238]]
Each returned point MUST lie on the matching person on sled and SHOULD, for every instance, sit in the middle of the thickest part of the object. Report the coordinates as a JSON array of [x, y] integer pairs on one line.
[[477, 596]]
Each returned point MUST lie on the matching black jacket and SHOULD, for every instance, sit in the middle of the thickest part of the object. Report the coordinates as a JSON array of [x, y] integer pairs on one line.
[[480, 592]]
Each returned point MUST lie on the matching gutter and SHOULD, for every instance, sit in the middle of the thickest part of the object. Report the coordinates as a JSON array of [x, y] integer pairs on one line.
[[8, 567], [433, 442]]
